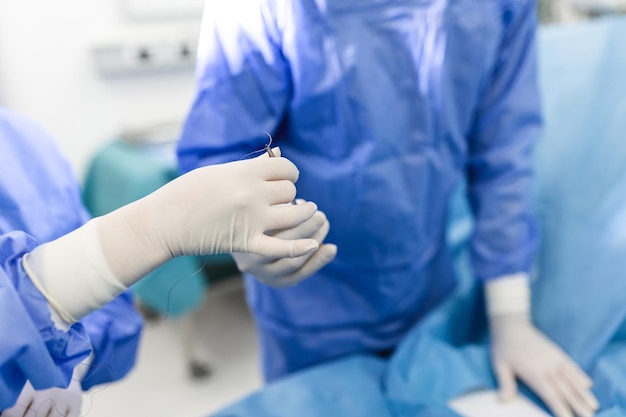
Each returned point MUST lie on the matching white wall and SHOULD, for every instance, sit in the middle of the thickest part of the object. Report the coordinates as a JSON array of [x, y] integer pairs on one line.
[[47, 71]]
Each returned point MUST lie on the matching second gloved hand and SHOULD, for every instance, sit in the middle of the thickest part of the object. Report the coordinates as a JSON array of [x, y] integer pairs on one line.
[[520, 350], [52, 402], [281, 272]]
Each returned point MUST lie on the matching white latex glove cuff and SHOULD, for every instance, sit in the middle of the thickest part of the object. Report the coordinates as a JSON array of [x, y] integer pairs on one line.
[[72, 274], [521, 351], [508, 295]]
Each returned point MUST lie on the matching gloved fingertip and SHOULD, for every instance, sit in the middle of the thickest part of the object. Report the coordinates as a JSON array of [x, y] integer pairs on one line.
[[331, 248], [588, 413], [506, 395], [593, 402], [506, 381], [565, 413], [508, 388], [310, 247], [328, 251], [583, 381]]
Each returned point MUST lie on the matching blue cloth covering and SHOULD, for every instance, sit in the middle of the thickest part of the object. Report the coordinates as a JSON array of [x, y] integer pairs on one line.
[[385, 107], [578, 283], [39, 202]]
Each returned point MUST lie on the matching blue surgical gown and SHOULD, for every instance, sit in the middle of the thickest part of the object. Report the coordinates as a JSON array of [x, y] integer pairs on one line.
[[40, 201], [385, 107]]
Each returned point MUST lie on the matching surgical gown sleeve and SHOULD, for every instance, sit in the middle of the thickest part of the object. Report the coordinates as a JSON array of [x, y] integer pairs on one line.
[[114, 331], [39, 202], [507, 124], [243, 84], [31, 347]]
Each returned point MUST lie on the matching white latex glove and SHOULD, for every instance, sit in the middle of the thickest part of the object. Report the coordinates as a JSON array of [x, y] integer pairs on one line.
[[520, 350], [231, 207], [53, 402], [281, 272]]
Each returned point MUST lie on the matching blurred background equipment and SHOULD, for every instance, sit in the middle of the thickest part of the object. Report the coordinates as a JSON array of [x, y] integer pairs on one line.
[[55, 56], [162, 9], [567, 11]]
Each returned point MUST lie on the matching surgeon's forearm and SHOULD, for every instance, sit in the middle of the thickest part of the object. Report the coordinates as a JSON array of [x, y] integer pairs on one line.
[[130, 241], [87, 268]]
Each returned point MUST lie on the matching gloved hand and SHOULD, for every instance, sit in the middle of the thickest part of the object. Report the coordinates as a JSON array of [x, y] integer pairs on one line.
[[216, 209], [230, 207], [281, 272], [520, 350], [53, 402]]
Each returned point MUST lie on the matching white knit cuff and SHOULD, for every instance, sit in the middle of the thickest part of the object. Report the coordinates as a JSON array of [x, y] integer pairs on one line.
[[73, 274], [509, 294]]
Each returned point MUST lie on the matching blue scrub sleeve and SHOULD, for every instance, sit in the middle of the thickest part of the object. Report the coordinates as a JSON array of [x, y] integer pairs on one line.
[[32, 347], [39, 202], [243, 85], [115, 332], [499, 171]]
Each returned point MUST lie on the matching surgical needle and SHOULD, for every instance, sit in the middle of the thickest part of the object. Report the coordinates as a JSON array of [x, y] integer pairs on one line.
[[268, 148]]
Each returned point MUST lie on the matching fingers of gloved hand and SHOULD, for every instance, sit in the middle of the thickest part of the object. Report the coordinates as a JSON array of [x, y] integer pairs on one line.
[[24, 403], [288, 216], [280, 192], [276, 269], [323, 229], [572, 394], [273, 247], [506, 380], [58, 404], [288, 272], [47, 409], [31, 408], [579, 381], [291, 270], [590, 399], [577, 375], [54, 402], [314, 263], [317, 227], [572, 373], [277, 168], [18, 410], [551, 396]]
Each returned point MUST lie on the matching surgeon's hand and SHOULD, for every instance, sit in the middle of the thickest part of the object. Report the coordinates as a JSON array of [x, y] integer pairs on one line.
[[233, 207], [53, 402], [230, 207], [282, 272], [520, 350]]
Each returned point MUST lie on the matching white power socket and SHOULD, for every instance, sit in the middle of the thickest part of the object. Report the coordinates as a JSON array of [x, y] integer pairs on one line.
[[154, 55]]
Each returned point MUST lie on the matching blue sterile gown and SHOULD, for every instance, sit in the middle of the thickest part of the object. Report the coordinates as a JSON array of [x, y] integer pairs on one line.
[[577, 282], [385, 107], [40, 201]]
